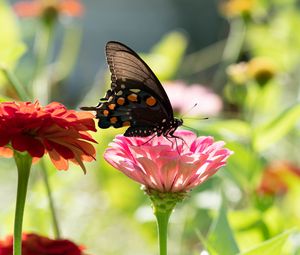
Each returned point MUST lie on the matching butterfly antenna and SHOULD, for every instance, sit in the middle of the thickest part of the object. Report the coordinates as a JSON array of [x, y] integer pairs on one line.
[[194, 118], [181, 116]]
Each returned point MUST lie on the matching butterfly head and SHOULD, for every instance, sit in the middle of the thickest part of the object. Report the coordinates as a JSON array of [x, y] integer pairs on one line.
[[178, 122], [171, 127]]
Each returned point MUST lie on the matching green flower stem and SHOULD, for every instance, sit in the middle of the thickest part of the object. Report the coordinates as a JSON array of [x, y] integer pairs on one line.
[[43, 44], [203, 59], [43, 47], [162, 218], [15, 83], [50, 198], [23, 162], [232, 50], [163, 204], [68, 53]]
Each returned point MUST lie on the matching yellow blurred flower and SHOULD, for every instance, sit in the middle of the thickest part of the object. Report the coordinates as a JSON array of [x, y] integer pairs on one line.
[[231, 8], [261, 69], [238, 73]]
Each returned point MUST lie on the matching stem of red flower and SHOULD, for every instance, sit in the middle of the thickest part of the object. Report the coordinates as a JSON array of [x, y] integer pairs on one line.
[[162, 218], [23, 162], [51, 202]]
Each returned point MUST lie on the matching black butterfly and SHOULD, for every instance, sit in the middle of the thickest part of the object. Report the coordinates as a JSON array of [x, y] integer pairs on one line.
[[136, 98]]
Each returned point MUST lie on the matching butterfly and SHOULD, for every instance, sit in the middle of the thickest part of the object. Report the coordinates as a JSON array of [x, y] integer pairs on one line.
[[136, 98]]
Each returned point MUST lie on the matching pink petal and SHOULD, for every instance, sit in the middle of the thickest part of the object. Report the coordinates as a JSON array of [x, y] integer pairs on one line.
[[168, 165]]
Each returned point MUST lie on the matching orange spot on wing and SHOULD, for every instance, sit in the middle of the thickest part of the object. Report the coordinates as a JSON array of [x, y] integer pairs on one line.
[[112, 106], [126, 123], [120, 100], [151, 101], [133, 97], [105, 113], [113, 120]]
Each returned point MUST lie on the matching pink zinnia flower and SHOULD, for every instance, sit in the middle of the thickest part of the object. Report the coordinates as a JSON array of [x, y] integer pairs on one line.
[[167, 165]]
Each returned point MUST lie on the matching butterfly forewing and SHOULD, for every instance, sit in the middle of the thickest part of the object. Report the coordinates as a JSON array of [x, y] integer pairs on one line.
[[122, 59], [110, 49], [136, 98]]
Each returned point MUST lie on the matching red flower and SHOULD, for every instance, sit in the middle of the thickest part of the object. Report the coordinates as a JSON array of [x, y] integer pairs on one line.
[[36, 8], [51, 129], [33, 244], [273, 181]]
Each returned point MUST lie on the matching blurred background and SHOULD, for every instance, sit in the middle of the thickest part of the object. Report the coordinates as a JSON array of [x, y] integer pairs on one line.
[[237, 59]]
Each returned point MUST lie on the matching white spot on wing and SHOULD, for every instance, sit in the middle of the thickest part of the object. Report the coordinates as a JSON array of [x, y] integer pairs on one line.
[[135, 90]]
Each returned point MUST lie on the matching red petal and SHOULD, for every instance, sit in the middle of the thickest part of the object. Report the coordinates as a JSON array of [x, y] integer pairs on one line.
[[59, 162], [6, 152], [4, 139], [19, 142], [64, 151], [36, 148], [27, 143]]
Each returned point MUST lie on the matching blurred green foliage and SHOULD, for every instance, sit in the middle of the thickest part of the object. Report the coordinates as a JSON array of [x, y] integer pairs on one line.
[[11, 46], [232, 213]]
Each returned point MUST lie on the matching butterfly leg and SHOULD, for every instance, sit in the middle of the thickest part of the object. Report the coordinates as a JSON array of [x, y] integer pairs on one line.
[[175, 137], [149, 139], [168, 138], [171, 135]]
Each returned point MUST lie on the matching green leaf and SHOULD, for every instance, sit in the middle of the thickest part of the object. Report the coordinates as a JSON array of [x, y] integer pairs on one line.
[[232, 129], [221, 239], [277, 128], [261, 100], [272, 246], [245, 166], [11, 47]]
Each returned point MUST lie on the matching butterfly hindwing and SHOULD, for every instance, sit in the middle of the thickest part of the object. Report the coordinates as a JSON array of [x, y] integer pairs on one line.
[[133, 106]]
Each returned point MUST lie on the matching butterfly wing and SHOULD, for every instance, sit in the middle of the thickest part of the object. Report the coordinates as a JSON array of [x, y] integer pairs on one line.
[[137, 98], [124, 64]]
